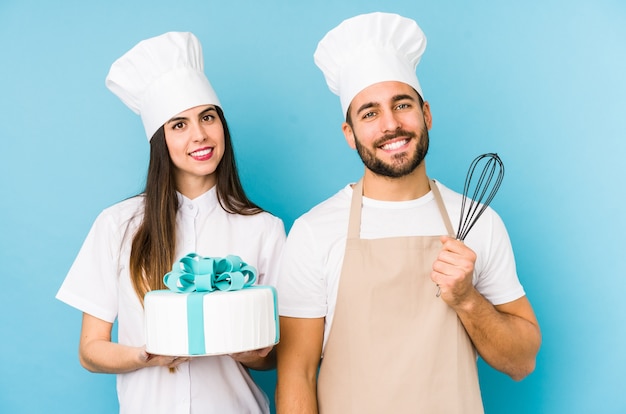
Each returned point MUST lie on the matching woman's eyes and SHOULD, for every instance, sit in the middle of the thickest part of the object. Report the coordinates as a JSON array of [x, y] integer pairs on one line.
[[205, 118]]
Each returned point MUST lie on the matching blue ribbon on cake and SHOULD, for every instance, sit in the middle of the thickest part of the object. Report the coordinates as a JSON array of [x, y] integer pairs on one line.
[[198, 276], [194, 273]]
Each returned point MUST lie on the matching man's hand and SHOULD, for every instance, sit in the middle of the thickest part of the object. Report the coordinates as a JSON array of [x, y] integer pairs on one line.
[[453, 271]]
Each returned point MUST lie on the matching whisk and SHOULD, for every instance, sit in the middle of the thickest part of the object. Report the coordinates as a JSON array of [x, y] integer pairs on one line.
[[483, 191]]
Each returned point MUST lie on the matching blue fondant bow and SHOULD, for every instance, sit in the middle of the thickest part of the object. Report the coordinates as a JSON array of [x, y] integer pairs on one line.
[[194, 273]]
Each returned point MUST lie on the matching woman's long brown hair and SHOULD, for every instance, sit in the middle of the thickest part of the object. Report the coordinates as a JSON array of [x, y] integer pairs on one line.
[[153, 247]]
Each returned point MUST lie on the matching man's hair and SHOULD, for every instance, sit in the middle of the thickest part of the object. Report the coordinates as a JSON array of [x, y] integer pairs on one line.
[[154, 245], [349, 117]]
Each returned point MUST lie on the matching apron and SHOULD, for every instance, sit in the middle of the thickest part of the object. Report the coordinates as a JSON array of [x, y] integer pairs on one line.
[[394, 347]]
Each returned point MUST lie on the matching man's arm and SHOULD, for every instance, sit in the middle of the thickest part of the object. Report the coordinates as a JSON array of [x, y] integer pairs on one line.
[[506, 336], [298, 356]]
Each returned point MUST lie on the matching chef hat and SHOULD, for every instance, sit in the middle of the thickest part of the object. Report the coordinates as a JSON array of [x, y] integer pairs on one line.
[[161, 77], [368, 49]]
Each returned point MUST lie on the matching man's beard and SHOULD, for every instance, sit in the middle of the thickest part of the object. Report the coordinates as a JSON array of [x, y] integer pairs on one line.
[[402, 164]]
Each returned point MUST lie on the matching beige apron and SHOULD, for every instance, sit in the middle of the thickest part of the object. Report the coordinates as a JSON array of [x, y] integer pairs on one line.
[[394, 347]]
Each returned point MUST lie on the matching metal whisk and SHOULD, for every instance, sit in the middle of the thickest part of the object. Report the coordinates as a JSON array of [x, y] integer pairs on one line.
[[482, 190]]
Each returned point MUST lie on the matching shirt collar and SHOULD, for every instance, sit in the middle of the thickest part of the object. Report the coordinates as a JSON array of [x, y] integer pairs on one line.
[[201, 204]]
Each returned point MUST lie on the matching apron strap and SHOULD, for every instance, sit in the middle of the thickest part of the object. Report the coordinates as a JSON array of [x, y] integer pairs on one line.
[[354, 222], [442, 208]]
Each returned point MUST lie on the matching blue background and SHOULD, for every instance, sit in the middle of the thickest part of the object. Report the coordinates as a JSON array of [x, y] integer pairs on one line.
[[543, 83]]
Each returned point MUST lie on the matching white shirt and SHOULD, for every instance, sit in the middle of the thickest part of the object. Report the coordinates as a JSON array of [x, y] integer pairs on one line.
[[99, 284], [313, 255]]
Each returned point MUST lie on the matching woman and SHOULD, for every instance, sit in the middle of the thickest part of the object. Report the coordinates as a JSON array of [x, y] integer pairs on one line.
[[193, 202]]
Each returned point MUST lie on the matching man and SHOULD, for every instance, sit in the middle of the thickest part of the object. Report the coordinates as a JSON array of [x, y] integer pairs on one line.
[[361, 271]]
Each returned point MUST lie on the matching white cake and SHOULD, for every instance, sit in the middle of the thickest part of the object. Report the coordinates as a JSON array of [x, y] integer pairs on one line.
[[217, 322]]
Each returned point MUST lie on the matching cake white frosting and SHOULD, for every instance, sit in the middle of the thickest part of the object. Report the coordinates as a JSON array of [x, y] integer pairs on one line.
[[212, 307], [230, 322]]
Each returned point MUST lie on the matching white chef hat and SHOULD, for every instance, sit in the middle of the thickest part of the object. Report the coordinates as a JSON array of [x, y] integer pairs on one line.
[[161, 77], [368, 49]]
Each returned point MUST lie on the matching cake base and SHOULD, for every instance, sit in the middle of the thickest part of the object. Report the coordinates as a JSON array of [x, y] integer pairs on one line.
[[210, 323]]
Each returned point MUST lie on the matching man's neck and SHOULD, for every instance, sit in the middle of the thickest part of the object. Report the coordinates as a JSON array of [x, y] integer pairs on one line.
[[408, 187]]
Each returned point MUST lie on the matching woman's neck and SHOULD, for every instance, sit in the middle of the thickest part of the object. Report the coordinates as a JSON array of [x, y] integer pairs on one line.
[[193, 187]]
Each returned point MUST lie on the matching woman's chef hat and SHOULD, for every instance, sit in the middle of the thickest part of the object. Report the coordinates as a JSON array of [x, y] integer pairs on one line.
[[161, 77], [368, 49]]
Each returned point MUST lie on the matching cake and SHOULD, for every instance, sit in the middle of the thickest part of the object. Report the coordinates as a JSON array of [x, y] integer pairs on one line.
[[226, 315]]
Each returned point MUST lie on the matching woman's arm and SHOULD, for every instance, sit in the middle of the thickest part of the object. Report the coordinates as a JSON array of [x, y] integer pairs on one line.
[[98, 354]]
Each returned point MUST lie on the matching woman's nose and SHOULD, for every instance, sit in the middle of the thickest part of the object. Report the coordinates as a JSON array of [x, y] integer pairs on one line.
[[199, 133]]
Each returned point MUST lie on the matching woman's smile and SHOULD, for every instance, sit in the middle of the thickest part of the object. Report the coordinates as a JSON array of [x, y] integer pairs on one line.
[[202, 154]]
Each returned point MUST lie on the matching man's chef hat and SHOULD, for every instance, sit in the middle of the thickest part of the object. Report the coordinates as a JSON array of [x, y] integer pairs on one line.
[[161, 77], [368, 49]]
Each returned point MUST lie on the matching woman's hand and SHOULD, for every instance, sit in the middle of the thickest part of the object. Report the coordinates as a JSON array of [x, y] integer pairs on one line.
[[259, 359], [153, 360]]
